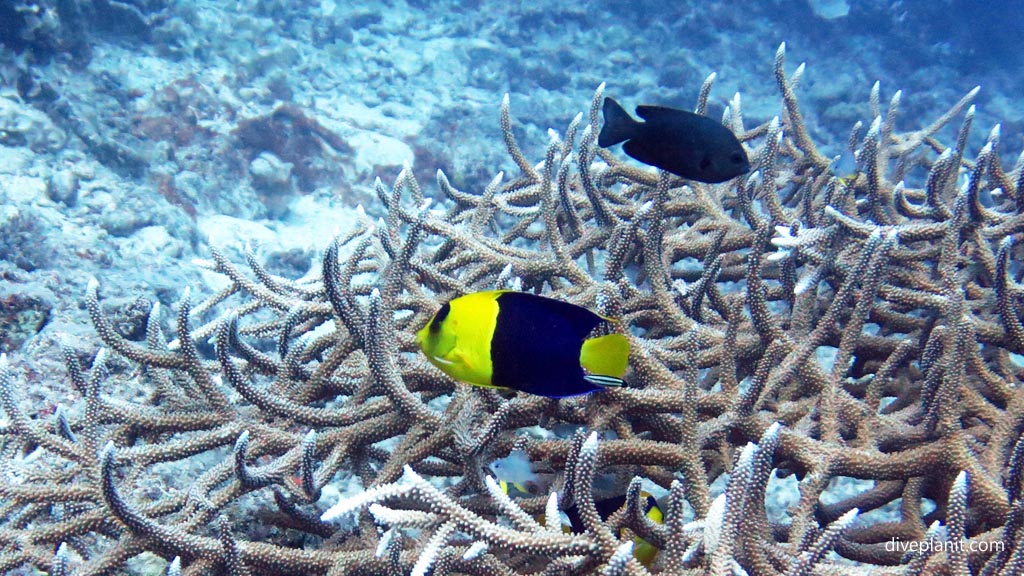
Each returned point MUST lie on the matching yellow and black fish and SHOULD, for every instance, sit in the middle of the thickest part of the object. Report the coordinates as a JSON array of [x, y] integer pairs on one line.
[[643, 551], [531, 343], [683, 143]]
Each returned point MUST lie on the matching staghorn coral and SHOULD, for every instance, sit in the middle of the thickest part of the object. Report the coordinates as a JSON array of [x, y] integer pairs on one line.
[[731, 294]]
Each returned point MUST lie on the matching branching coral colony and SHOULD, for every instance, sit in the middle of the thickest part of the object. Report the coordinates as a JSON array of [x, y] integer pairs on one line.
[[729, 293]]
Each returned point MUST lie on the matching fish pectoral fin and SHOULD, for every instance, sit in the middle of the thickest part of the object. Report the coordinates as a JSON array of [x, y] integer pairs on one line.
[[605, 381], [441, 360]]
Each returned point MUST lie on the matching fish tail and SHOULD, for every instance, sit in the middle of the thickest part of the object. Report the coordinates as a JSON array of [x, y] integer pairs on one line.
[[618, 126], [604, 359]]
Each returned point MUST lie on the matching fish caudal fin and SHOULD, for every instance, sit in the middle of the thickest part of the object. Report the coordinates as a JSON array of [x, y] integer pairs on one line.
[[604, 359], [618, 124]]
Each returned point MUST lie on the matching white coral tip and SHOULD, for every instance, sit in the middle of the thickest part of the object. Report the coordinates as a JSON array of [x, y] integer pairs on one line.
[[846, 519], [475, 550], [803, 284], [876, 125], [342, 508], [385, 542], [960, 482]]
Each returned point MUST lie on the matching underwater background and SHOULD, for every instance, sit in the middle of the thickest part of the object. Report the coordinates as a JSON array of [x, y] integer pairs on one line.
[[137, 135]]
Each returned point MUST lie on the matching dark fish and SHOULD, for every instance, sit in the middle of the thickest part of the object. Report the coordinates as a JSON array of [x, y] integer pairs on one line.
[[683, 143]]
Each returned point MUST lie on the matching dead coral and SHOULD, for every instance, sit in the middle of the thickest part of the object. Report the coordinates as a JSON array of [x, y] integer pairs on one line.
[[736, 297], [297, 138]]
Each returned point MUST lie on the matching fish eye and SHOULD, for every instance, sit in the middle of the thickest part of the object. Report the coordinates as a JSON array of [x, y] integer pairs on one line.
[[737, 158], [705, 163], [435, 324]]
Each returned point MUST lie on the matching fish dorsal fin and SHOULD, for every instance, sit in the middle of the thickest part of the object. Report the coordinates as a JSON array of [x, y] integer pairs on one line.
[[649, 113]]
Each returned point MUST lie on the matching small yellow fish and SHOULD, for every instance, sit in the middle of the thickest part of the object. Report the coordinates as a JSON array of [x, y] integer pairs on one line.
[[530, 343], [643, 551]]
